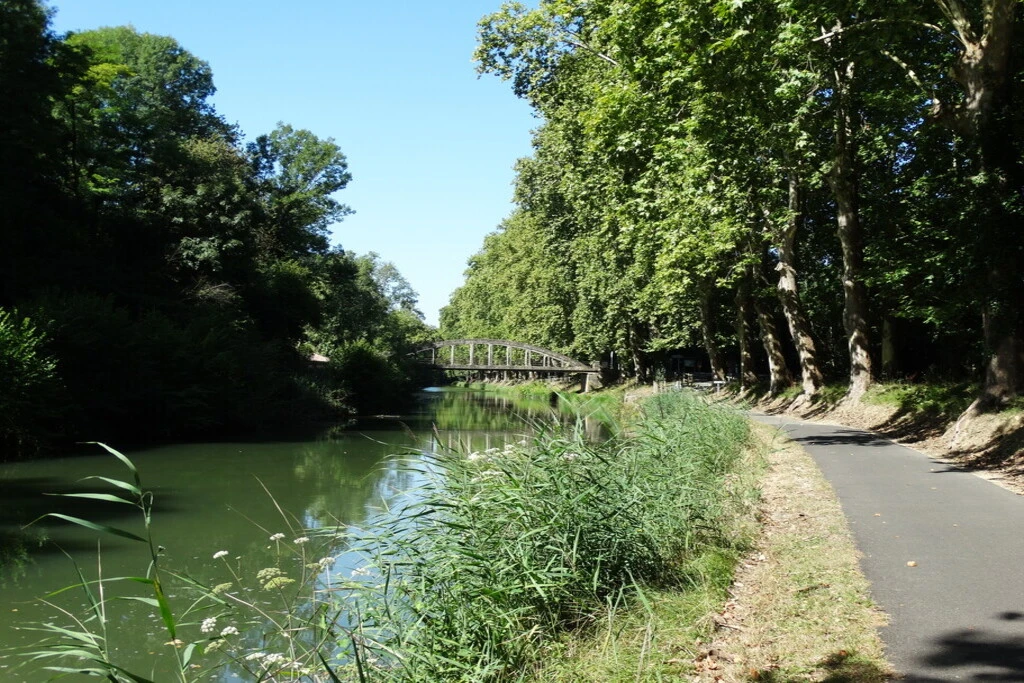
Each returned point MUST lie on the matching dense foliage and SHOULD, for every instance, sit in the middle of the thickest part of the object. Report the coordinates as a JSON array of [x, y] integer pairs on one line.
[[843, 177], [169, 277]]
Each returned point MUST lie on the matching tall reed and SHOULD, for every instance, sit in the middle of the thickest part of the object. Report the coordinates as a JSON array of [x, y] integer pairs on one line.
[[505, 550]]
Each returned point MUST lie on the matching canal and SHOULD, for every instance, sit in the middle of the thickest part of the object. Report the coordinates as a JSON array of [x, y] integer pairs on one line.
[[228, 499]]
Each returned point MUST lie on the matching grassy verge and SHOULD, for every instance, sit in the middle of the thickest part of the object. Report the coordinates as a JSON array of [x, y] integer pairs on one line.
[[796, 608], [800, 609]]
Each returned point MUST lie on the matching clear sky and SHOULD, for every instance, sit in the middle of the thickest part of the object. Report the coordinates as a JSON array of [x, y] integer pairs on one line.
[[430, 146]]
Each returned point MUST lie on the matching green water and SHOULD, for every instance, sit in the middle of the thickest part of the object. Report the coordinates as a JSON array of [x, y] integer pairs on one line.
[[212, 497]]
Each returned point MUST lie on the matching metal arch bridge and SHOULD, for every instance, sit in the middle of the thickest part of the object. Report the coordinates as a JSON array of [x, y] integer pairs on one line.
[[517, 357]]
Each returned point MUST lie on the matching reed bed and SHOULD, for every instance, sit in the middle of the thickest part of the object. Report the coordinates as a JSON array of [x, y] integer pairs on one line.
[[505, 552]]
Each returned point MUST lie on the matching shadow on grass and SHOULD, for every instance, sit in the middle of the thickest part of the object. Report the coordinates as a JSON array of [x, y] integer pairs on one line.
[[840, 667]]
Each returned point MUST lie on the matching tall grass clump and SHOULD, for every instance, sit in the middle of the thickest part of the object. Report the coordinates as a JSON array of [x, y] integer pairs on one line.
[[507, 550]]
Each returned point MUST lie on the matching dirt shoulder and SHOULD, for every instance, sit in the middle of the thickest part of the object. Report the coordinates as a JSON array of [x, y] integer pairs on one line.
[[799, 609], [989, 444]]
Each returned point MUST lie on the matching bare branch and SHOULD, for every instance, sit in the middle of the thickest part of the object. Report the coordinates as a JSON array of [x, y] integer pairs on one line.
[[875, 22], [575, 40], [956, 13], [909, 70]]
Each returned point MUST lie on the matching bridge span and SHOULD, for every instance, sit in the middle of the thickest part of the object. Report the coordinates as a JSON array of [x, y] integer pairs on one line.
[[500, 355]]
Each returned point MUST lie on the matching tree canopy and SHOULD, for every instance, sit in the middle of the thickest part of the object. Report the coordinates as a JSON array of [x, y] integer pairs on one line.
[[828, 168], [158, 275]]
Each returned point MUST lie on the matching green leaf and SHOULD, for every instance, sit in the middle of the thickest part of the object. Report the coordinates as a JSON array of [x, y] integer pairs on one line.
[[165, 609], [93, 496], [187, 656], [116, 482], [134, 678], [100, 673], [103, 528], [152, 602], [123, 458]]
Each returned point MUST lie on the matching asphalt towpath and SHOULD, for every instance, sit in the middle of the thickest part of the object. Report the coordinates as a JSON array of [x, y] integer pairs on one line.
[[942, 548]]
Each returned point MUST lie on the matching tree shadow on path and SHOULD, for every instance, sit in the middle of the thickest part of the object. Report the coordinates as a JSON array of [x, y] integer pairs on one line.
[[976, 655], [843, 437]]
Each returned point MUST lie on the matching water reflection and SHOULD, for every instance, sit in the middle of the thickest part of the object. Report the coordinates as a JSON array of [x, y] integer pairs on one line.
[[233, 497]]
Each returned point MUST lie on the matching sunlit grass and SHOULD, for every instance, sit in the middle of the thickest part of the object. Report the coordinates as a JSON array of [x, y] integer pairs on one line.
[[935, 399]]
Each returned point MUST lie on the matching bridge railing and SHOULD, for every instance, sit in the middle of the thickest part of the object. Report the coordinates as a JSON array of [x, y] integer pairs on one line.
[[499, 354]]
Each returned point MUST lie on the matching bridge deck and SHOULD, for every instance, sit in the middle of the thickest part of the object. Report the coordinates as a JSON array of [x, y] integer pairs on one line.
[[517, 368]]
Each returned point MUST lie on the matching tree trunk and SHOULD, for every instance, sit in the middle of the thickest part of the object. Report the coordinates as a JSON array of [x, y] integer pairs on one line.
[[640, 366], [844, 182], [985, 118], [789, 296], [748, 377], [779, 375], [890, 359], [707, 334], [1006, 362]]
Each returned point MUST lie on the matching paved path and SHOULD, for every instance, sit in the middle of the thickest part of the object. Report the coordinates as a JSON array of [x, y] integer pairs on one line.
[[959, 614]]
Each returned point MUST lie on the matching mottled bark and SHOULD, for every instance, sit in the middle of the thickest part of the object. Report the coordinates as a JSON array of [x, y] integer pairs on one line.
[[778, 372], [843, 180], [1005, 364], [744, 334], [984, 116], [789, 296], [639, 358]]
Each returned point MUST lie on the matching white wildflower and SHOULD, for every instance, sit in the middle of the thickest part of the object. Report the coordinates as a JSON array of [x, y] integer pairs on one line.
[[253, 656], [491, 450], [213, 645], [208, 625], [272, 659], [219, 554], [361, 571], [229, 631], [300, 540], [277, 537], [474, 456]]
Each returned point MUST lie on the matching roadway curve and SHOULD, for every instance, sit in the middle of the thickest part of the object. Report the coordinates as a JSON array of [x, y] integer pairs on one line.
[[958, 615]]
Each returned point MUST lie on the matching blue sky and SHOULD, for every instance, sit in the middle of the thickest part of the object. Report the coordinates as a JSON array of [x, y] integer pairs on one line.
[[430, 146]]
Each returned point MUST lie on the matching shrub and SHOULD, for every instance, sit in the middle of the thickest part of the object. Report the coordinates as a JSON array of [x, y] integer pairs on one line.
[[30, 393]]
